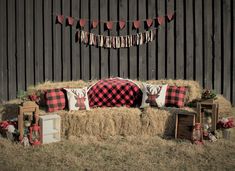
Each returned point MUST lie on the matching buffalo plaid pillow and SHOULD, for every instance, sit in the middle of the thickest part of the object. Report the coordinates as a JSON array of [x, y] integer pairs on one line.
[[175, 96], [55, 100]]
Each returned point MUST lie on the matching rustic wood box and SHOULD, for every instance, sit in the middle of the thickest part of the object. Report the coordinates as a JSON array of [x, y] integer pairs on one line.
[[207, 110], [184, 124], [50, 128]]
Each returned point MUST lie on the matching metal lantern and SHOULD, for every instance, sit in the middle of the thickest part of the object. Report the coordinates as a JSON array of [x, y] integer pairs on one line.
[[35, 134], [197, 135]]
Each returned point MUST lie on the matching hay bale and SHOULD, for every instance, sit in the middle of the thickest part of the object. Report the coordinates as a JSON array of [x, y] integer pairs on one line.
[[225, 107], [162, 121], [157, 122], [105, 122], [194, 88], [69, 84], [101, 122]]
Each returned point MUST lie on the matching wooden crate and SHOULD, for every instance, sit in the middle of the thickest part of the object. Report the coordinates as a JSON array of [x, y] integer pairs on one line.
[[211, 109], [184, 125], [50, 128]]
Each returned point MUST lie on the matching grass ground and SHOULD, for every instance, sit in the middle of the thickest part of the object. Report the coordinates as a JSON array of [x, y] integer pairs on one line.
[[119, 153]]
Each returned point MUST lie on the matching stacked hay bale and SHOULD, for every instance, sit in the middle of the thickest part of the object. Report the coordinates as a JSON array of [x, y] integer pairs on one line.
[[225, 107], [103, 122]]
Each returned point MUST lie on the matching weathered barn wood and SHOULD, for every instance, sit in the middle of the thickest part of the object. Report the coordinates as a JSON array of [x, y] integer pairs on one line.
[[198, 44]]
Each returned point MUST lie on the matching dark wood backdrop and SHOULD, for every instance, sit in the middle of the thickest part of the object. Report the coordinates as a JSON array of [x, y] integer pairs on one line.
[[198, 44]]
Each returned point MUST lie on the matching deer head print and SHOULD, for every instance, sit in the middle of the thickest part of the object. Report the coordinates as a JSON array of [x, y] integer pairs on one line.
[[153, 93], [80, 97]]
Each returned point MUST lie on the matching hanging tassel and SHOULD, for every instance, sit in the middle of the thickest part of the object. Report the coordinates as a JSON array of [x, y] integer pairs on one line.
[[86, 37], [122, 42], [95, 40], [138, 39], [92, 39], [134, 40], [142, 38], [147, 36], [107, 42], [78, 36], [100, 40], [113, 42], [129, 40], [118, 44], [82, 38], [153, 34]]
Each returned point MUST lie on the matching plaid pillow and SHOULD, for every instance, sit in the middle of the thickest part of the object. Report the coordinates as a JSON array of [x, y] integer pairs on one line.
[[175, 96], [153, 95], [55, 100]]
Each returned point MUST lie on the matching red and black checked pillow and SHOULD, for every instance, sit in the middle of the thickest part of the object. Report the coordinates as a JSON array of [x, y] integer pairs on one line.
[[175, 96], [55, 100]]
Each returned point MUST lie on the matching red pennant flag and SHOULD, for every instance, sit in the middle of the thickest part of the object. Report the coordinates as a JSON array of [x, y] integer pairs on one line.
[[82, 22], [170, 16], [160, 20], [109, 25], [122, 24], [149, 22], [137, 24], [70, 21], [60, 19], [95, 23]]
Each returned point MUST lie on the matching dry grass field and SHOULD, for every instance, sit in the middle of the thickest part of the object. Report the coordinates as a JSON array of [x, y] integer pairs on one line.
[[119, 153]]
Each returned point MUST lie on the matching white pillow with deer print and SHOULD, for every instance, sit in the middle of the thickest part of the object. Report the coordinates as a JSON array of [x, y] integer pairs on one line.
[[78, 99], [153, 95]]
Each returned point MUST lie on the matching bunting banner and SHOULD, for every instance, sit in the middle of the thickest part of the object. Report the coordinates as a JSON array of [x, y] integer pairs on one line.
[[110, 24], [116, 41]]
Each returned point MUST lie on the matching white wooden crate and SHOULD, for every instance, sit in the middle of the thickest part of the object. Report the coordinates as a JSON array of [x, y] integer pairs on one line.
[[50, 128]]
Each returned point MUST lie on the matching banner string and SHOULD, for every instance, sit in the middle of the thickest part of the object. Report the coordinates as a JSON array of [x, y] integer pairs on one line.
[[115, 21]]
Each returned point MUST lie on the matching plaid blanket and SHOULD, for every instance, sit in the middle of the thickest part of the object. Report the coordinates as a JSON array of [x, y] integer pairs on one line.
[[114, 92]]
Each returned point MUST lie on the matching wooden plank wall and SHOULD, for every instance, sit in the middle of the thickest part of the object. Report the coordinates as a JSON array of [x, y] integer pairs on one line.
[[198, 44]]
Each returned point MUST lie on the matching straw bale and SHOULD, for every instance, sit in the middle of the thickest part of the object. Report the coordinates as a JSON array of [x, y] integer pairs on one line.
[[225, 107], [69, 84], [105, 122], [194, 88], [101, 122]]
